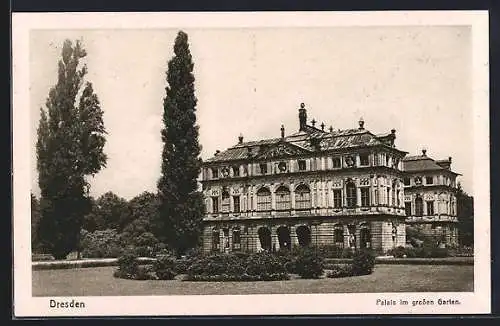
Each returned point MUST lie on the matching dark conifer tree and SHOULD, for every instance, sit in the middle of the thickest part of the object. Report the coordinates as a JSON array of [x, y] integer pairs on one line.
[[182, 207], [69, 148]]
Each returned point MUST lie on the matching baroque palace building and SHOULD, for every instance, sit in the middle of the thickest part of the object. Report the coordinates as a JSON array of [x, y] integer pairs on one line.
[[430, 197], [312, 187]]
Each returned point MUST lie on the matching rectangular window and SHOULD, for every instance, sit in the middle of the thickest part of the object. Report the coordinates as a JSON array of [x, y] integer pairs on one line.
[[376, 159], [236, 202], [336, 163], [430, 207], [225, 202], [337, 198], [302, 165], [215, 173], [406, 181], [429, 180], [408, 208], [263, 168], [236, 171], [215, 204], [365, 197], [363, 160]]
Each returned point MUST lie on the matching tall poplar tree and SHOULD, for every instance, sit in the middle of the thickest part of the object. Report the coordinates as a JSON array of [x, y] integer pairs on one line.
[[181, 205], [69, 148]]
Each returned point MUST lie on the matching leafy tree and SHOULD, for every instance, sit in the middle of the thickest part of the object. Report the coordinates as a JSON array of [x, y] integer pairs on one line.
[[465, 215], [35, 218], [182, 206], [69, 148], [144, 214], [108, 212]]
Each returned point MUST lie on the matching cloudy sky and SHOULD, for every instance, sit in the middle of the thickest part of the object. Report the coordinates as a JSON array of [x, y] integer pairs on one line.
[[250, 81]]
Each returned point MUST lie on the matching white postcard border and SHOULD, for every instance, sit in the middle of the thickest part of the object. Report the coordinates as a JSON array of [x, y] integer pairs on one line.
[[349, 303]]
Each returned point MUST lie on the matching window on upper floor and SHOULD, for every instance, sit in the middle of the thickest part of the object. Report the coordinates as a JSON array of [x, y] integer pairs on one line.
[[336, 163], [365, 197], [364, 160], [215, 173], [236, 171], [236, 204], [215, 204], [406, 181], [408, 208], [302, 197], [429, 180], [351, 197], [419, 206], [430, 207], [225, 202], [337, 198], [263, 199], [263, 168], [302, 165], [282, 198]]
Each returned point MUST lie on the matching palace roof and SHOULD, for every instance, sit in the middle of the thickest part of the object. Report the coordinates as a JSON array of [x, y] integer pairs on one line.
[[306, 141], [423, 163]]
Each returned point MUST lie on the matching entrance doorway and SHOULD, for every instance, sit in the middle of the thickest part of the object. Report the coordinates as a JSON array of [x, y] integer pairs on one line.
[[265, 238], [303, 235], [284, 237]]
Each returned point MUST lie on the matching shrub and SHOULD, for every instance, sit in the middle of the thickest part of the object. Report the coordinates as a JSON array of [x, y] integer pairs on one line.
[[145, 273], [239, 278], [288, 259], [363, 262], [128, 266], [217, 264], [340, 270], [264, 263], [309, 264], [100, 244], [164, 267]]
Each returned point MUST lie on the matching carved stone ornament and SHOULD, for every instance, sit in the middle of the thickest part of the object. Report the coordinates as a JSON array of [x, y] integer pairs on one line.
[[418, 180], [225, 172], [349, 161], [282, 166]]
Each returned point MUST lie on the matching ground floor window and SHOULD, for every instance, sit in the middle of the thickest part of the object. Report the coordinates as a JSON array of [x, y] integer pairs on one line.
[[215, 240], [236, 239], [365, 237], [338, 236], [284, 238], [265, 238]]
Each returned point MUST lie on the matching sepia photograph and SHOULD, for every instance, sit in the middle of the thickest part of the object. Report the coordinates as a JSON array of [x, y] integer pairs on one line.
[[251, 163]]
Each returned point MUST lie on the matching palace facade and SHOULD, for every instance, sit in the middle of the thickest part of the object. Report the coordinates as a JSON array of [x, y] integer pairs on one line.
[[312, 187], [430, 197]]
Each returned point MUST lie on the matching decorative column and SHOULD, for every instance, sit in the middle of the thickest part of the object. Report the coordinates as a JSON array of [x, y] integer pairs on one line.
[[292, 195], [358, 195], [273, 198]]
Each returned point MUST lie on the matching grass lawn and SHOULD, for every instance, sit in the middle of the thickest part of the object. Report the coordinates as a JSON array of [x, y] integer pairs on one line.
[[386, 278]]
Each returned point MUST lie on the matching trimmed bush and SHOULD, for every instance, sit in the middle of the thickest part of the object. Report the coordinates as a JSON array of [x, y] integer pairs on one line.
[[427, 251], [264, 263], [309, 264], [217, 264], [340, 270], [333, 251], [236, 278], [128, 267], [363, 262], [164, 267]]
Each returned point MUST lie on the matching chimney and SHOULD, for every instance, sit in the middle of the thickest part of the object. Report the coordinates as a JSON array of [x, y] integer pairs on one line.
[[361, 123], [240, 139], [282, 131], [424, 152], [302, 117]]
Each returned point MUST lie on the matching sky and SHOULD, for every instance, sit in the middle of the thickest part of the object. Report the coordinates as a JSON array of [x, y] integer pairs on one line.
[[415, 79]]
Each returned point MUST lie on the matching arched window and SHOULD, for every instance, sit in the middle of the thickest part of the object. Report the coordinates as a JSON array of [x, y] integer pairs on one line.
[[225, 201], [338, 235], [351, 194], [282, 198], [302, 197], [303, 235], [419, 206], [263, 199]]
